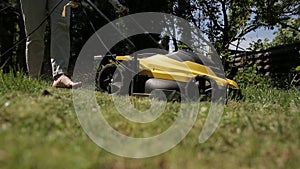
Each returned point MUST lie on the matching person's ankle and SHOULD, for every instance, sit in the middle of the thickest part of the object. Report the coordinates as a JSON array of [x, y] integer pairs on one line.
[[59, 75]]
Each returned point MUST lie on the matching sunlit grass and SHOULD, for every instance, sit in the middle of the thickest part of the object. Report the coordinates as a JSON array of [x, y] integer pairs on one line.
[[39, 130]]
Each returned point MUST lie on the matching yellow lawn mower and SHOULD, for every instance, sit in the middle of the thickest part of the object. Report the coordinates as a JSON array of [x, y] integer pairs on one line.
[[178, 75]]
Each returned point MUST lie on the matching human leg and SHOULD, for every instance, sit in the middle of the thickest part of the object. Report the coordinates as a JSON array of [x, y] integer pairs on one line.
[[33, 16], [60, 44], [60, 37]]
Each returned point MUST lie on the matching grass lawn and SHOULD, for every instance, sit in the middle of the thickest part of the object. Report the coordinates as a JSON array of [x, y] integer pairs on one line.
[[39, 129]]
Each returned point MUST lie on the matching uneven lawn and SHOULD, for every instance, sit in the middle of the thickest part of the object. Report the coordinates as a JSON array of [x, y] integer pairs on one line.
[[39, 129]]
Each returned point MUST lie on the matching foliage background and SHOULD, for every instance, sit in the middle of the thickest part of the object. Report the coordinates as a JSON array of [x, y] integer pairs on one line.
[[223, 22]]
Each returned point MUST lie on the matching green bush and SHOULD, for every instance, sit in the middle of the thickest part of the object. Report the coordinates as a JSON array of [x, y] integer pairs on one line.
[[249, 76]]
